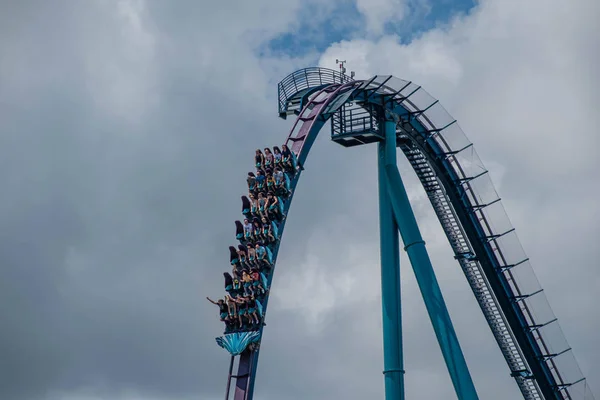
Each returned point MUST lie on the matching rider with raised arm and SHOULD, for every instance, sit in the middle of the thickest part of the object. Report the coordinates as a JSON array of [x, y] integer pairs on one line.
[[222, 308]]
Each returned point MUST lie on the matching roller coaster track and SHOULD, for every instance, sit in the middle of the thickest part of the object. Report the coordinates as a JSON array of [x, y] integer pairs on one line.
[[466, 204]]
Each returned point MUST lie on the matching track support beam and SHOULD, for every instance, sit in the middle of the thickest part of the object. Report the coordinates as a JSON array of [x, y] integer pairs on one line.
[[390, 280], [421, 264]]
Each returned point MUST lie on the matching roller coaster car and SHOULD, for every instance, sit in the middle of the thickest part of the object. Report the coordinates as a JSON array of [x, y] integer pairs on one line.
[[280, 206], [292, 167], [269, 255], [284, 191], [255, 220], [232, 328], [246, 206], [239, 230], [275, 230], [233, 255]]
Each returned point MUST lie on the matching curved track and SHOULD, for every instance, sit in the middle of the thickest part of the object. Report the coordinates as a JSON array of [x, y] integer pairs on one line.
[[466, 204]]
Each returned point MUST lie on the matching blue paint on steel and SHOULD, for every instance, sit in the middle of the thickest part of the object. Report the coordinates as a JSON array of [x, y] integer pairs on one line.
[[236, 343], [428, 284], [486, 257], [390, 275], [273, 258], [314, 132], [483, 250]]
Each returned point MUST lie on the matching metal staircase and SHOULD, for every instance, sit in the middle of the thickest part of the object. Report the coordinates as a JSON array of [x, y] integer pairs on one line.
[[472, 270]]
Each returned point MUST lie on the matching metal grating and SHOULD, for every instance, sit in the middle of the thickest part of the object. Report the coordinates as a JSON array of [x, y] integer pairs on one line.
[[472, 270]]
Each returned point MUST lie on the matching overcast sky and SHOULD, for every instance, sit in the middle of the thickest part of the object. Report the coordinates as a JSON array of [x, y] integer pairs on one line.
[[126, 130]]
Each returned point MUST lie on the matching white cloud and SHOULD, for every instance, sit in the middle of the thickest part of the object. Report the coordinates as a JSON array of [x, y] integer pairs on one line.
[[122, 69], [522, 88], [153, 214], [379, 12]]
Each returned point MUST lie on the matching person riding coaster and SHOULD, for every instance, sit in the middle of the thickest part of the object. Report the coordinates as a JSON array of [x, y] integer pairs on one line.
[[251, 256], [251, 180], [269, 159], [259, 159], [288, 160], [280, 179], [262, 202], [248, 284], [276, 156], [263, 256], [247, 229], [257, 228], [267, 234], [223, 310], [236, 286], [274, 207], [257, 281], [260, 180], [249, 309], [253, 207], [270, 180], [242, 255], [253, 310]]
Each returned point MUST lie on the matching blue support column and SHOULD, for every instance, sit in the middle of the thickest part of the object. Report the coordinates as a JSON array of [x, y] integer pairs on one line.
[[390, 282], [430, 290]]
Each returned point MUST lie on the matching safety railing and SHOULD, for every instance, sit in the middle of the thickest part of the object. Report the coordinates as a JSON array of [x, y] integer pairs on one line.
[[512, 263], [303, 79], [352, 120]]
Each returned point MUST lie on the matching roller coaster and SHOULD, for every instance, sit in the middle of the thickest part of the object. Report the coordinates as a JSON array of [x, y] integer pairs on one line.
[[394, 113]]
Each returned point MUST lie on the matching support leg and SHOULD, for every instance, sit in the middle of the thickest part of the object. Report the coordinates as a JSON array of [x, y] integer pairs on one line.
[[390, 285], [228, 389], [430, 290]]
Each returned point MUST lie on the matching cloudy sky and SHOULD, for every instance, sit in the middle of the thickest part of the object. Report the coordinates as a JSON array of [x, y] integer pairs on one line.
[[126, 130]]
